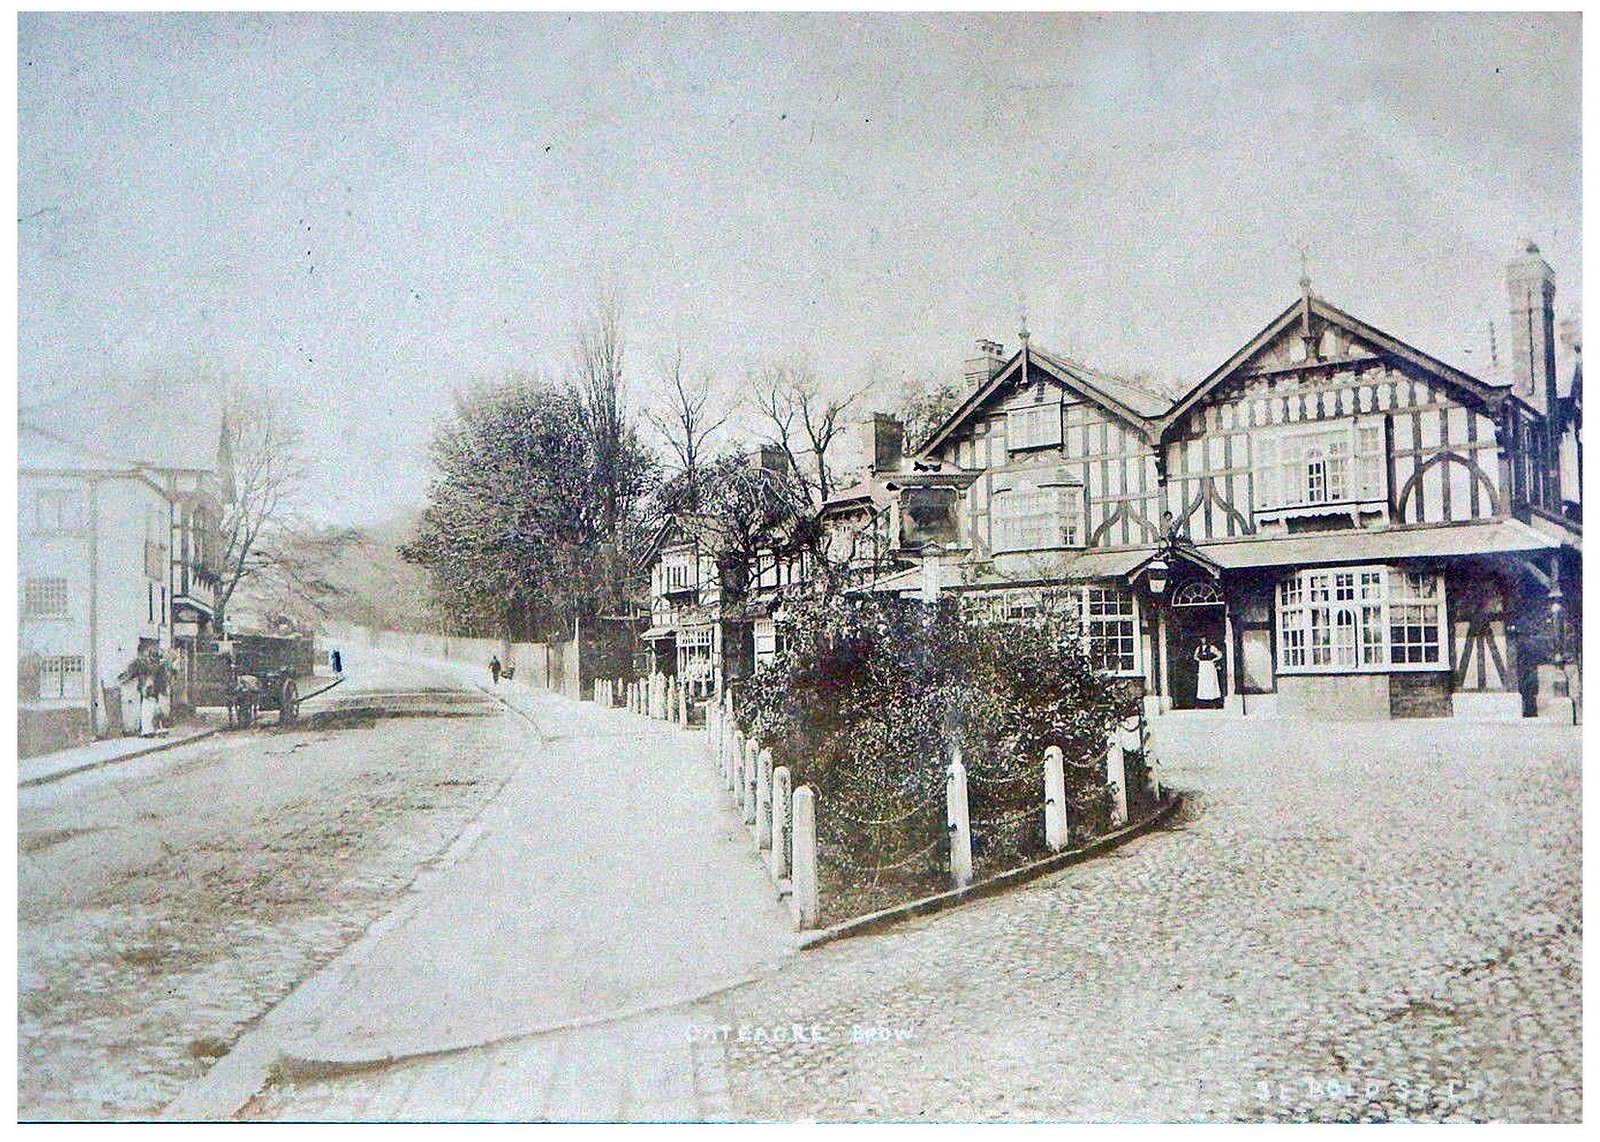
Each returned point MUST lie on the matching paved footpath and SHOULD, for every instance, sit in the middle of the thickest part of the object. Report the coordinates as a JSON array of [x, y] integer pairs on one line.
[[1351, 922], [608, 883]]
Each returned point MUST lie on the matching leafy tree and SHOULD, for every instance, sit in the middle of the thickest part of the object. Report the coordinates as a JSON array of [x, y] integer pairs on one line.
[[517, 536]]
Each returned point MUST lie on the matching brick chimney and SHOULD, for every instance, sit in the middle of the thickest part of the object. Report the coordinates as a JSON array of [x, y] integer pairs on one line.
[[770, 457], [1531, 284], [983, 368], [886, 442]]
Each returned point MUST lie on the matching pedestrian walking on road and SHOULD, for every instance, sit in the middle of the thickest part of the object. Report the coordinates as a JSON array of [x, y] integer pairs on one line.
[[494, 669]]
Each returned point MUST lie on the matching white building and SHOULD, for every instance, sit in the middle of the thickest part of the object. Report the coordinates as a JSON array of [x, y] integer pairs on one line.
[[106, 547]]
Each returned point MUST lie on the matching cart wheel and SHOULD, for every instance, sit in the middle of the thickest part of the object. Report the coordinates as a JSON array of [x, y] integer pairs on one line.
[[289, 703]]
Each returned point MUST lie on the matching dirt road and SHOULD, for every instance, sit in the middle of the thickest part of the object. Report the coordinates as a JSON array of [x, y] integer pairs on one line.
[[166, 903]]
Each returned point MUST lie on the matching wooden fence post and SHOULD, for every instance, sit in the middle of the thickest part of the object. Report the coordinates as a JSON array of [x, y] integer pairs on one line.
[[955, 800], [747, 780], [804, 881], [1055, 800], [1117, 778], [782, 832], [764, 800]]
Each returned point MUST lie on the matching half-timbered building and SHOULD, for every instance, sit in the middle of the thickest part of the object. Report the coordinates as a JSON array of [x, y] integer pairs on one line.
[[1332, 523]]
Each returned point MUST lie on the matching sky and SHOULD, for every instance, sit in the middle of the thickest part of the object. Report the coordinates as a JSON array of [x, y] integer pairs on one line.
[[365, 213]]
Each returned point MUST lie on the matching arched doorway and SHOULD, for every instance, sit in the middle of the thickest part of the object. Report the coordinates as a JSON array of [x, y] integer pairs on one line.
[[1196, 645]]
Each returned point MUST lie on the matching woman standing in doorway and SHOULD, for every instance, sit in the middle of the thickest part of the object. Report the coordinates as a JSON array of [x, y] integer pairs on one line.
[[1206, 657]]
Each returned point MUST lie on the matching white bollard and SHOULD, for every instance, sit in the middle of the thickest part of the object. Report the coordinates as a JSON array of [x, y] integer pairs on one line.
[[764, 800], [955, 799], [747, 780], [730, 773], [782, 832], [1117, 778], [804, 880], [1055, 800]]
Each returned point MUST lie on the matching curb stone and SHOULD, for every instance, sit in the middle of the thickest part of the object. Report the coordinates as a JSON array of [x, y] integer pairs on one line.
[[940, 902], [157, 747]]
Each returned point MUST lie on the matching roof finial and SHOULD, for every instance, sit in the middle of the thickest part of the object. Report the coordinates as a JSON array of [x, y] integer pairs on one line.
[[1305, 273], [1022, 307]]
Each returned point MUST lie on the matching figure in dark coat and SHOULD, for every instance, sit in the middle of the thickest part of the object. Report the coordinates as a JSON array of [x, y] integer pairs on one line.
[[494, 669]]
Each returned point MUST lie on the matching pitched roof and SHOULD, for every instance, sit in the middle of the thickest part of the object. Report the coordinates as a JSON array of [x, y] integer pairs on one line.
[[1122, 398], [1309, 305], [40, 450]]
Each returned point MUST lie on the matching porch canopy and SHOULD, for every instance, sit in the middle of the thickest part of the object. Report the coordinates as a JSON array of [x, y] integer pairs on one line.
[[1502, 537]]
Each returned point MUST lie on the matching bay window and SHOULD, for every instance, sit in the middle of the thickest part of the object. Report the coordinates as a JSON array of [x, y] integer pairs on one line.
[[1322, 462], [1031, 517], [1360, 619]]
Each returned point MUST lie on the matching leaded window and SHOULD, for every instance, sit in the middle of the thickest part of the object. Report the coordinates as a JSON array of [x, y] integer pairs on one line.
[[1360, 618], [1320, 462], [1029, 518]]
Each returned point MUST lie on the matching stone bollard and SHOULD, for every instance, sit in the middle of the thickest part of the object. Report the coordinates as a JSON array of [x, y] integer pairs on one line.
[[804, 879], [747, 780], [683, 704], [735, 764], [1055, 800], [782, 832], [764, 800], [1117, 778], [955, 800]]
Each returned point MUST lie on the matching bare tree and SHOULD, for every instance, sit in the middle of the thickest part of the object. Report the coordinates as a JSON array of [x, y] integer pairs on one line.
[[261, 470], [687, 420], [804, 421], [598, 352]]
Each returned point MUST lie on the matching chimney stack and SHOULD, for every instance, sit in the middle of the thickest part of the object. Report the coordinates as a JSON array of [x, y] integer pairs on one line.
[[887, 442], [983, 368], [1531, 284]]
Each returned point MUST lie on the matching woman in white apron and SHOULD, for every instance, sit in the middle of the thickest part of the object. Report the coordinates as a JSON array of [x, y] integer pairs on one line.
[[1206, 684]]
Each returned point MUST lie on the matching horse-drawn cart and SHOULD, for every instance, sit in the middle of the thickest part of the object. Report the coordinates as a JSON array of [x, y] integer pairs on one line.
[[251, 675]]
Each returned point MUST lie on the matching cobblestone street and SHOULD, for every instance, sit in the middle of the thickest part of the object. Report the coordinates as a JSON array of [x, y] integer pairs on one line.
[[1374, 921], [165, 903]]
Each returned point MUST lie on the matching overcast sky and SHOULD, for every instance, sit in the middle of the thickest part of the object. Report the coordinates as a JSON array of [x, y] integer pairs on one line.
[[369, 211]]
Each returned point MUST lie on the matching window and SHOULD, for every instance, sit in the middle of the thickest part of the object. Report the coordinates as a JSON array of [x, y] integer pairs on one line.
[[694, 653], [1105, 615], [1029, 518], [1036, 426], [1108, 624], [45, 598], [61, 677], [769, 641], [677, 572], [1322, 463], [57, 510], [1360, 618]]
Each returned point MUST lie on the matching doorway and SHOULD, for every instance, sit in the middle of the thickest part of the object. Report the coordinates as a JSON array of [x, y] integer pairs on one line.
[[1197, 655]]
